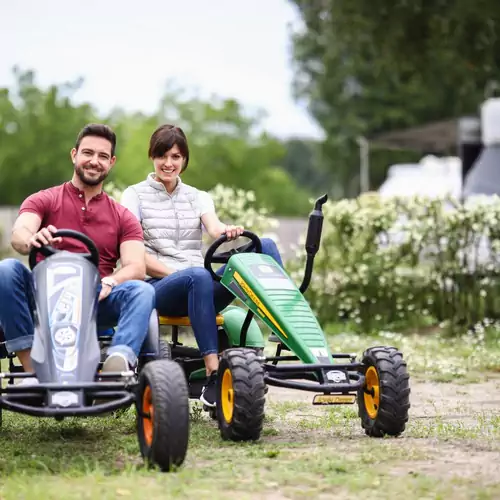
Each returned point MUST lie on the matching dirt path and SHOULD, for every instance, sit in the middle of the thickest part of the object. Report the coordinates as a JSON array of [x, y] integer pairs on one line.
[[428, 399], [455, 426]]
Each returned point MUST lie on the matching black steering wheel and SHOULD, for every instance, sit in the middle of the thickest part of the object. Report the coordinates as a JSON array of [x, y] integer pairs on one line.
[[222, 258], [47, 250]]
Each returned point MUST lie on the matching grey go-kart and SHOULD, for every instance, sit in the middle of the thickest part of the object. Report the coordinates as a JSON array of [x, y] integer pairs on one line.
[[67, 356]]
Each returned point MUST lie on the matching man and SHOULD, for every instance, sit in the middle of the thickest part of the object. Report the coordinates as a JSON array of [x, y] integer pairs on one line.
[[80, 204]]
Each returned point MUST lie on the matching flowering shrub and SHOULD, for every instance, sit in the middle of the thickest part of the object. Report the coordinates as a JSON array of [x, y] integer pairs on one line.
[[438, 356], [113, 191], [413, 261], [387, 263], [239, 207]]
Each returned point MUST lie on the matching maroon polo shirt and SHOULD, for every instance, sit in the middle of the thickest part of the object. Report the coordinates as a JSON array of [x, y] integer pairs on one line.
[[103, 220]]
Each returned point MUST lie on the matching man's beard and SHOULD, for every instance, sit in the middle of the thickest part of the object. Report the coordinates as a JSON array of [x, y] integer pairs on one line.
[[80, 171]]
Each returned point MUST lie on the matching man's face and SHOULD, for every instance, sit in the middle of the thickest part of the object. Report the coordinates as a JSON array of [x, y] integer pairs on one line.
[[93, 160]]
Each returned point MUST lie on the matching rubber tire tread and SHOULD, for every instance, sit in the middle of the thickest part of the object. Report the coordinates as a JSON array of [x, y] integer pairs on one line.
[[171, 414], [165, 352], [249, 395], [394, 382]]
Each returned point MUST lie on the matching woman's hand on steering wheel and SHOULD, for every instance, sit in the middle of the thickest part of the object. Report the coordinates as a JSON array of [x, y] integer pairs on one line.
[[233, 232], [211, 257], [44, 237]]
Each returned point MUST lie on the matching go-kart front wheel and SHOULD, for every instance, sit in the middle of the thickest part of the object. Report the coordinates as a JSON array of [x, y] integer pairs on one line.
[[384, 400], [163, 414], [241, 391]]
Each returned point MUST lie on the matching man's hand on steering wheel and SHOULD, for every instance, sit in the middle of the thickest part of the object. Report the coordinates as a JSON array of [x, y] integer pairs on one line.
[[47, 250], [44, 237], [233, 232]]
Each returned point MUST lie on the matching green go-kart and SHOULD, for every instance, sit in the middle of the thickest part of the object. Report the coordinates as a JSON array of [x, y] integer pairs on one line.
[[379, 382]]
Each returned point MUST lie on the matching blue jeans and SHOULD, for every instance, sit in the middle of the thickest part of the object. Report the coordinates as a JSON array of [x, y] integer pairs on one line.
[[129, 306], [193, 292]]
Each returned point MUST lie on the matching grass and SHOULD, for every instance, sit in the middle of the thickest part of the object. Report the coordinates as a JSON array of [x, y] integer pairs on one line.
[[434, 356], [308, 457], [449, 449]]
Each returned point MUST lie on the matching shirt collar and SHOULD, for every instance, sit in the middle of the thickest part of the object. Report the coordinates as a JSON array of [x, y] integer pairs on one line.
[[78, 192]]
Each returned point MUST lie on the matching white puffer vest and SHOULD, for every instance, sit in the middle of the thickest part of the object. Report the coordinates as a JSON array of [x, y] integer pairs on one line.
[[171, 223]]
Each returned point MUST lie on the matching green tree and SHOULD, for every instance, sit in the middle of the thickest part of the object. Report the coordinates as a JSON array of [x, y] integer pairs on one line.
[[38, 127], [366, 67], [304, 162], [37, 130]]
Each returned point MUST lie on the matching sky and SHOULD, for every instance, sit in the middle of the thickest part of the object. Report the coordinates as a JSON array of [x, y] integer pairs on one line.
[[127, 50]]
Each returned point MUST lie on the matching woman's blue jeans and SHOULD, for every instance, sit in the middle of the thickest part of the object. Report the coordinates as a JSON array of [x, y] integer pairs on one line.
[[193, 292]]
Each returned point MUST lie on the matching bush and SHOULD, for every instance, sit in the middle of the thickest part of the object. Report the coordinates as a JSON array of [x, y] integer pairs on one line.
[[394, 262], [239, 207]]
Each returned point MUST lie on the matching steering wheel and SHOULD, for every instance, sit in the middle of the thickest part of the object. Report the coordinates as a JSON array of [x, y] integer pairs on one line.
[[222, 258], [47, 250]]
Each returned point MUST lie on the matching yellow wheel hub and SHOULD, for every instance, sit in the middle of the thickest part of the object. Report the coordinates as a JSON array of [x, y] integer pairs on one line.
[[372, 392], [227, 396]]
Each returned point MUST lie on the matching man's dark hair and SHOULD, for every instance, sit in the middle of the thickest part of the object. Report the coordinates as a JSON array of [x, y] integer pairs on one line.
[[165, 138], [97, 130]]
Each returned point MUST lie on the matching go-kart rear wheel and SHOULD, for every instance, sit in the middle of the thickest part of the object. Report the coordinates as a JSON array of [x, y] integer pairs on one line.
[[163, 414], [241, 391], [164, 353], [384, 401]]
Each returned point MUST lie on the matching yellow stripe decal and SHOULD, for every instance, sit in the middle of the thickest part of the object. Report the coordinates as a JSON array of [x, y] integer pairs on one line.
[[257, 302]]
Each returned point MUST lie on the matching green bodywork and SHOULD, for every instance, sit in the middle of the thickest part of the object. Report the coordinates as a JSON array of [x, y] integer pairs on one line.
[[265, 288], [233, 321]]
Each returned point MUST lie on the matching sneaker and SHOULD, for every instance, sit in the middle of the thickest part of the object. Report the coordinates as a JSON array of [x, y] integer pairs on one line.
[[209, 392], [116, 362], [26, 382]]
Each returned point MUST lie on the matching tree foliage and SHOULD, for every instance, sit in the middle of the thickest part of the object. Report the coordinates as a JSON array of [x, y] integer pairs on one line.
[[38, 128], [366, 67], [303, 160]]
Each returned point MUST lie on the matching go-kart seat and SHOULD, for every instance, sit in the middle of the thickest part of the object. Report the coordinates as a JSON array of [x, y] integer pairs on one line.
[[184, 320], [176, 321]]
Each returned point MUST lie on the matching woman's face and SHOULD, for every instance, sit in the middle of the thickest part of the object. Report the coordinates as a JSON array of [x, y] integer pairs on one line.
[[169, 166]]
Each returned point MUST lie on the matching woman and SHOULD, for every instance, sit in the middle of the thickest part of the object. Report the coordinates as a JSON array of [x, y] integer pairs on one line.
[[172, 214]]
